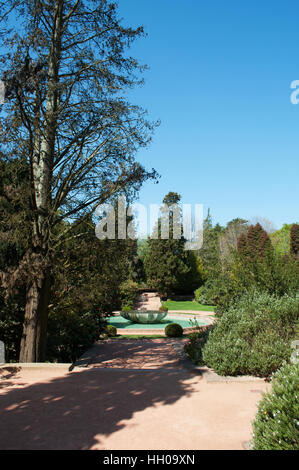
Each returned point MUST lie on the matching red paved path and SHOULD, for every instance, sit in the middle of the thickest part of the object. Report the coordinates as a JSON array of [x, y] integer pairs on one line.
[[115, 408]]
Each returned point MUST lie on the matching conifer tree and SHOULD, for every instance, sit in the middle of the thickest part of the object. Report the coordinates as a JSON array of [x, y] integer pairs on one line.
[[169, 267], [294, 240], [66, 72]]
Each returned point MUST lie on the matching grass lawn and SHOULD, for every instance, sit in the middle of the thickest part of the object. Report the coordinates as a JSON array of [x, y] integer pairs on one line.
[[137, 337], [187, 305], [119, 337]]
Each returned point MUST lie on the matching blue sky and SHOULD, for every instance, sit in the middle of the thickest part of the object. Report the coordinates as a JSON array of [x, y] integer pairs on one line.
[[219, 80]]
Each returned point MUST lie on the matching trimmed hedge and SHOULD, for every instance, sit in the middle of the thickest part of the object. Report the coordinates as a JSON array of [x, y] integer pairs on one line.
[[276, 426], [253, 337], [173, 330]]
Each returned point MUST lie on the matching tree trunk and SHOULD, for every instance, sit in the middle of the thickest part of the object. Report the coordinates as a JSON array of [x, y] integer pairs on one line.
[[33, 341]]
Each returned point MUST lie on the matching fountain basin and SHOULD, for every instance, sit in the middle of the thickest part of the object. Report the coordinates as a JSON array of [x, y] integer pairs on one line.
[[149, 317]]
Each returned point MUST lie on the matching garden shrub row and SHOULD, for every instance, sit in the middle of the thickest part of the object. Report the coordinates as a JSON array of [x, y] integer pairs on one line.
[[253, 337]]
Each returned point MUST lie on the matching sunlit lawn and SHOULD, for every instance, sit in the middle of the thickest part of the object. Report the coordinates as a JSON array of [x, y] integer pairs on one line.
[[187, 305]]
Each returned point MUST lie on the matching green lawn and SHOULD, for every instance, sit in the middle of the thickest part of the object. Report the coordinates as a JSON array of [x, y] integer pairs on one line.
[[187, 305], [137, 337]]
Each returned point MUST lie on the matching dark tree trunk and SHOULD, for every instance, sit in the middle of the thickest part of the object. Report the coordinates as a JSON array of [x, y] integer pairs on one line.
[[33, 341]]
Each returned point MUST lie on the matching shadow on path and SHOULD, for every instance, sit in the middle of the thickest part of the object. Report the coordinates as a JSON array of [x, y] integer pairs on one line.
[[73, 411], [132, 354], [7, 374]]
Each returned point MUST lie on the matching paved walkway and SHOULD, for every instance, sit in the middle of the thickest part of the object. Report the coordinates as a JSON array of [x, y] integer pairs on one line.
[[149, 300], [135, 354], [131, 395]]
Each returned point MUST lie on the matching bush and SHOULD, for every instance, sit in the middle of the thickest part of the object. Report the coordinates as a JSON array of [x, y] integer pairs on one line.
[[195, 344], [163, 309], [276, 426], [197, 294], [127, 308], [11, 324], [70, 334], [111, 330], [218, 291], [173, 330], [129, 291], [253, 336]]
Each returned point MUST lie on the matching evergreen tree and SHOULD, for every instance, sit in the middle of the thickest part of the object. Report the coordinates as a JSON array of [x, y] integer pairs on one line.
[[255, 244], [209, 253], [294, 241], [169, 267], [281, 239]]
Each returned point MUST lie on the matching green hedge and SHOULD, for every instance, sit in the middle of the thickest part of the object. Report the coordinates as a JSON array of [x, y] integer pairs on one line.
[[276, 426], [253, 336], [173, 330]]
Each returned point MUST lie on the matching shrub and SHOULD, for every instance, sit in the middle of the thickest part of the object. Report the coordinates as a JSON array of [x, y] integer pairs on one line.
[[173, 330], [294, 240], [163, 309], [253, 336], [197, 294], [70, 334], [129, 291], [111, 330], [220, 291], [276, 426], [195, 344], [11, 321], [127, 308]]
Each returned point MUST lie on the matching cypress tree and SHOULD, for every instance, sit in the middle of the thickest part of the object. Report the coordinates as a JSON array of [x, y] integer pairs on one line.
[[294, 240]]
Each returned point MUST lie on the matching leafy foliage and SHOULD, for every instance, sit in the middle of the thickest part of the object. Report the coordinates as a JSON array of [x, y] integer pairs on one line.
[[129, 291], [294, 244], [163, 308], [195, 345], [209, 253], [253, 336], [11, 321], [70, 334], [169, 267], [220, 290], [281, 239], [254, 266], [276, 426], [67, 72], [173, 330], [111, 330], [255, 243]]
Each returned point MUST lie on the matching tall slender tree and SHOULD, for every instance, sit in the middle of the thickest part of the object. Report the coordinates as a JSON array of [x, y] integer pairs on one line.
[[294, 241], [169, 267], [66, 72]]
